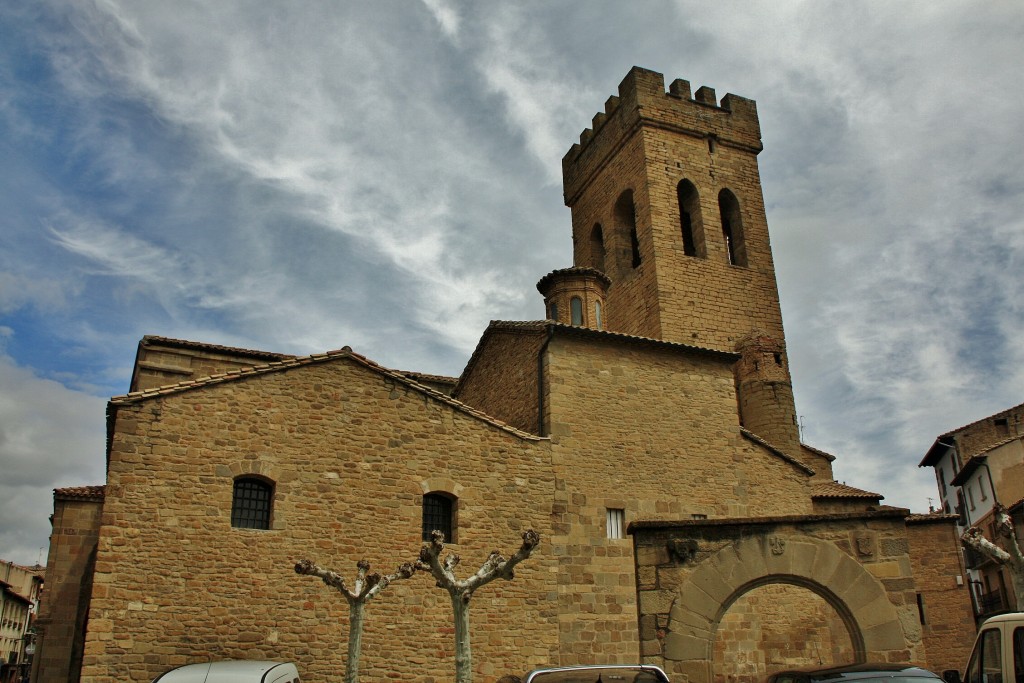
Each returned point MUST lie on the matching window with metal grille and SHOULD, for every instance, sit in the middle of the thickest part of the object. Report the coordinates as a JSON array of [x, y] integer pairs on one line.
[[616, 523], [437, 515], [252, 503]]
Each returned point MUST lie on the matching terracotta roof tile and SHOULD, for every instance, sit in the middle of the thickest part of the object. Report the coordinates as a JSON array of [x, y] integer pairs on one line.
[[80, 493], [833, 489]]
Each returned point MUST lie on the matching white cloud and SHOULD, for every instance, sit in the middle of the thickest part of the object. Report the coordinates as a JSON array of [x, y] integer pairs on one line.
[[50, 437]]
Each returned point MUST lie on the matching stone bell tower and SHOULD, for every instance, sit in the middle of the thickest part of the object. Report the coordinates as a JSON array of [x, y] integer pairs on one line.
[[666, 201]]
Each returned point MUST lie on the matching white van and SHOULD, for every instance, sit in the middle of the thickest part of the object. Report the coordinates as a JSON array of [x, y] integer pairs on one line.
[[998, 655], [232, 671]]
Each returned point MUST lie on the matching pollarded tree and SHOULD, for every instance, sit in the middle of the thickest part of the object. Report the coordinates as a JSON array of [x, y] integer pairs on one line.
[[365, 587], [494, 567], [1010, 556]]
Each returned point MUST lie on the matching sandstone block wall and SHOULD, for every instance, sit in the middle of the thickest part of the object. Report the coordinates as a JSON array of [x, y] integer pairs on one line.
[[654, 433], [502, 377], [946, 613], [351, 453], [64, 606]]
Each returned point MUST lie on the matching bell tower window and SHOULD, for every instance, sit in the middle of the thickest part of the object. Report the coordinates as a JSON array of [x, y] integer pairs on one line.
[[597, 247], [732, 228], [625, 226], [690, 222]]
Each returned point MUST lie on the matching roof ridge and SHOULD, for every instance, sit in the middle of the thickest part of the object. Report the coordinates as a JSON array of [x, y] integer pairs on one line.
[[299, 361], [218, 347]]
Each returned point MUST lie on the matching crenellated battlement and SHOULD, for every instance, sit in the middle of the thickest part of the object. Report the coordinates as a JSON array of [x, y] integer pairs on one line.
[[643, 101]]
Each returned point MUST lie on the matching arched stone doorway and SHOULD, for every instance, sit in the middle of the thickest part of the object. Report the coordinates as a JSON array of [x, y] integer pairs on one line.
[[772, 626], [707, 588]]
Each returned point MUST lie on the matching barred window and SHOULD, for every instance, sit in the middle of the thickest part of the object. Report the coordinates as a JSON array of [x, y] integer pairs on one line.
[[252, 503], [438, 515]]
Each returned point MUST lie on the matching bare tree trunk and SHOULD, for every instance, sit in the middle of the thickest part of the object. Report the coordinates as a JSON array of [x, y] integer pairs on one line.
[[366, 586], [1009, 556], [461, 592], [355, 639], [463, 651]]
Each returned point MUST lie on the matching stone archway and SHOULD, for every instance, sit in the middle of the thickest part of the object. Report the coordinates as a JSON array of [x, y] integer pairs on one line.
[[779, 623], [705, 595]]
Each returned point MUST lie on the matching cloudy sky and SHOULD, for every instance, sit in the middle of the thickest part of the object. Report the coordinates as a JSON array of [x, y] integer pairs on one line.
[[300, 176]]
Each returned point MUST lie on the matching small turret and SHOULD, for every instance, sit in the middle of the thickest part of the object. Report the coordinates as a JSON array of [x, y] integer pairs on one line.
[[575, 296], [765, 391]]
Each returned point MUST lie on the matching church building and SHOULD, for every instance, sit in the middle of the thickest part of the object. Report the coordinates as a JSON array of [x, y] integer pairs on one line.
[[645, 429]]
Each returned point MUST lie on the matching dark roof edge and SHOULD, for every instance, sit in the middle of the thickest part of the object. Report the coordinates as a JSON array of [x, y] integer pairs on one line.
[[775, 451], [884, 512], [280, 366]]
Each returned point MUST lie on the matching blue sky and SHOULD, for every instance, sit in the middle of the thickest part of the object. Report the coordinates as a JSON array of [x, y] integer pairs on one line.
[[301, 176]]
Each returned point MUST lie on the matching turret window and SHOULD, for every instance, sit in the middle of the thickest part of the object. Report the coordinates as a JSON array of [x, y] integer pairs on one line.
[[576, 310], [597, 316]]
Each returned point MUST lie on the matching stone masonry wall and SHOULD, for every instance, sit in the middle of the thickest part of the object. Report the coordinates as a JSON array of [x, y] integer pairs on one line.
[[351, 453], [63, 608], [502, 377], [947, 616], [655, 433]]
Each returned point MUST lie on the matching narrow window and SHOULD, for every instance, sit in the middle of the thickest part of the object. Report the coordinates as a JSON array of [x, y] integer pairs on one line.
[[616, 523], [689, 219], [576, 310], [553, 311], [732, 228], [970, 495], [627, 242], [251, 503], [597, 247], [597, 315], [438, 509], [1002, 425]]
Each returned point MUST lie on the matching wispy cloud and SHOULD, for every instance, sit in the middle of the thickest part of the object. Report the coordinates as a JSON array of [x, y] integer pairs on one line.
[[386, 175]]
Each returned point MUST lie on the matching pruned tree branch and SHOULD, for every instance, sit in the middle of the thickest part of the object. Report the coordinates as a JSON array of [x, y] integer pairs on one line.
[[494, 567], [1008, 555], [366, 586]]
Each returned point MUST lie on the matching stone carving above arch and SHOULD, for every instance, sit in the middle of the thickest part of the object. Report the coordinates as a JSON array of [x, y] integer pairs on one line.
[[707, 593]]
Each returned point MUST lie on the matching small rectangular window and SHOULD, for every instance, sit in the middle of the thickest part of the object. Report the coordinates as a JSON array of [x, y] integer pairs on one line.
[[616, 523]]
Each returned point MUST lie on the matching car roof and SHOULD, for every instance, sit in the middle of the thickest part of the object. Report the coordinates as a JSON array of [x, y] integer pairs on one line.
[[1012, 616], [227, 671], [565, 673], [854, 671]]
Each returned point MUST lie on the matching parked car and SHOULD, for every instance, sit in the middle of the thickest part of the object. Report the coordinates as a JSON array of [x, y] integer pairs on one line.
[[998, 653], [610, 673], [232, 671], [876, 672]]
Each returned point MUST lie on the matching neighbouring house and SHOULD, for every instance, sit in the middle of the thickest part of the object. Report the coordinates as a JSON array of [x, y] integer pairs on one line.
[[20, 589], [977, 466], [645, 428]]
